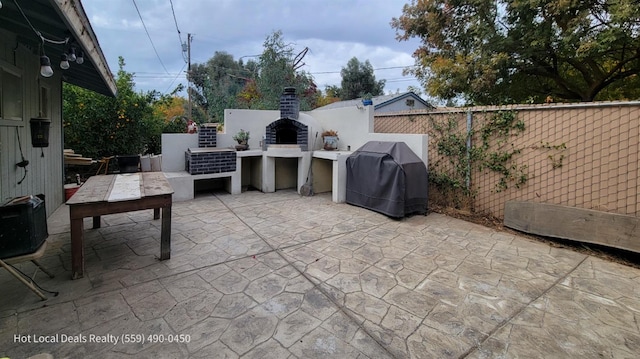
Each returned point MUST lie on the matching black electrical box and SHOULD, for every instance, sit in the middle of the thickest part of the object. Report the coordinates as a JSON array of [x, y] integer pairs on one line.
[[23, 225]]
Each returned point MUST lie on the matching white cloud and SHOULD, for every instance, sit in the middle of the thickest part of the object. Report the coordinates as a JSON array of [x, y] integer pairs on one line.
[[334, 31]]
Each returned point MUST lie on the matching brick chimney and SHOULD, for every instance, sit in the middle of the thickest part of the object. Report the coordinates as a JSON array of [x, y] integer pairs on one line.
[[289, 104]]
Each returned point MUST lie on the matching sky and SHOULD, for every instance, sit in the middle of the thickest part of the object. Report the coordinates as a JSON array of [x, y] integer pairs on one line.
[[333, 30]]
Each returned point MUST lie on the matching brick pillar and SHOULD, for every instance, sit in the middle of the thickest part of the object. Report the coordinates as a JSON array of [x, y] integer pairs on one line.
[[208, 135], [289, 104]]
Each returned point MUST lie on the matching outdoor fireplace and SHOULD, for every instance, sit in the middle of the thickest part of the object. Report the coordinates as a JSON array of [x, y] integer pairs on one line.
[[287, 130]]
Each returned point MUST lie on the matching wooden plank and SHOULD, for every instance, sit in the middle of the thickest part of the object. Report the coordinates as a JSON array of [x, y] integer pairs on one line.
[[126, 187], [165, 234], [80, 161], [576, 224], [77, 248], [102, 208], [94, 190], [155, 184]]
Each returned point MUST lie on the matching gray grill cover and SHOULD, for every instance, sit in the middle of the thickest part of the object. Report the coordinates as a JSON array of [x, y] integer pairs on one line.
[[387, 177]]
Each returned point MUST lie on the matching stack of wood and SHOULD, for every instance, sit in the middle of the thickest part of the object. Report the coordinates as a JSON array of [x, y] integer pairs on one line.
[[72, 158]]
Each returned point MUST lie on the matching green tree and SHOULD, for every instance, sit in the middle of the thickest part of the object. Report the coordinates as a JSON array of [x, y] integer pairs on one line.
[[333, 91], [97, 125], [223, 82], [276, 66], [330, 96], [216, 85], [506, 51], [358, 80]]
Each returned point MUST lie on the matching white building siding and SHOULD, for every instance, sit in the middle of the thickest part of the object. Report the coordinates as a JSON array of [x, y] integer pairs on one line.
[[44, 174], [401, 105]]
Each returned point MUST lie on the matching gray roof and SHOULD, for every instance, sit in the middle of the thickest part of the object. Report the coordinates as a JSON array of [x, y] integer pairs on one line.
[[378, 101]]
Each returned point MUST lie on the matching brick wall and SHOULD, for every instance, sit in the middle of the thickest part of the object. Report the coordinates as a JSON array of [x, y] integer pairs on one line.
[[301, 132], [598, 169], [289, 104], [218, 161], [208, 136]]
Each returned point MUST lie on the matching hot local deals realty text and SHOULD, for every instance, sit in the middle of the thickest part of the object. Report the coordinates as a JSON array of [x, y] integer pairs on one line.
[[64, 338]]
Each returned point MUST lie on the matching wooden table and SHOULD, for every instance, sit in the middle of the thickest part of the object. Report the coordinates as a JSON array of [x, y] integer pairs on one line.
[[108, 194]]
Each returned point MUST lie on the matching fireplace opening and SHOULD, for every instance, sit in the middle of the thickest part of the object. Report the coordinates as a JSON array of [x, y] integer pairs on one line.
[[286, 136], [286, 131]]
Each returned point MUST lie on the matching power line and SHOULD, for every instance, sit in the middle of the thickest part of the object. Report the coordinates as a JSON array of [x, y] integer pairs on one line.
[[175, 78], [149, 36], [175, 20], [377, 69]]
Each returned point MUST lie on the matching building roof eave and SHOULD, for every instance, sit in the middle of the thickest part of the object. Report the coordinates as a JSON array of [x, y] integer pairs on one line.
[[77, 22]]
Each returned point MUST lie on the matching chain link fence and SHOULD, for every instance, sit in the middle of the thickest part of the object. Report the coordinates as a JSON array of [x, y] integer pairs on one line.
[[581, 155]]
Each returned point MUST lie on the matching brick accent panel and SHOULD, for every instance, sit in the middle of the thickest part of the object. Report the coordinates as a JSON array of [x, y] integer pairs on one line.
[[599, 168], [208, 136], [275, 129], [218, 161], [289, 104]]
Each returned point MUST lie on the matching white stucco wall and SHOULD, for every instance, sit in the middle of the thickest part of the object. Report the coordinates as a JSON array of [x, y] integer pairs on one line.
[[254, 121], [173, 147]]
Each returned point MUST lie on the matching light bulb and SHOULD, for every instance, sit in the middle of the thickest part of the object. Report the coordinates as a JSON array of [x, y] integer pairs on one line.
[[72, 54], [80, 58], [64, 62], [45, 67]]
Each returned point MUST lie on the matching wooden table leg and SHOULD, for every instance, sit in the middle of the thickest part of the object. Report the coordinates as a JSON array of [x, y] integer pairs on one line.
[[77, 248], [156, 213], [165, 234], [96, 222]]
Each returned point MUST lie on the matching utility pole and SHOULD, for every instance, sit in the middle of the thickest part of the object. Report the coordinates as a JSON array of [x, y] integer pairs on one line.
[[189, 74]]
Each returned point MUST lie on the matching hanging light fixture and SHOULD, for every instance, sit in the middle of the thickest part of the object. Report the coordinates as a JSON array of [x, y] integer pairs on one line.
[[45, 66], [72, 54], [80, 58], [64, 62]]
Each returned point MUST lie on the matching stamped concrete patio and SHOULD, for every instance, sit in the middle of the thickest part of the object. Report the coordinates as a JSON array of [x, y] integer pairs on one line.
[[282, 276]]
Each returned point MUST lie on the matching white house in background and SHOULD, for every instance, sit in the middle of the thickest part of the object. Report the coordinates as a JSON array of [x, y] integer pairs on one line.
[[386, 103], [29, 29]]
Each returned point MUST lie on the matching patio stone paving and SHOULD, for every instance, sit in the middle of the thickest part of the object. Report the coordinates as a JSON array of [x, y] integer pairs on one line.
[[282, 276]]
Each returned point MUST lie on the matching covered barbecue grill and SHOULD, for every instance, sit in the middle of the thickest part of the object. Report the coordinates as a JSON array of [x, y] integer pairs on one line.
[[387, 177]]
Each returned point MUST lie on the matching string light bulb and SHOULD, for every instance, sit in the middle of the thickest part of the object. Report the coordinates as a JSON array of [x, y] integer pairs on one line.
[[45, 66], [64, 62], [80, 58], [72, 54]]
